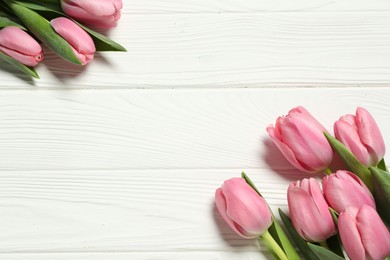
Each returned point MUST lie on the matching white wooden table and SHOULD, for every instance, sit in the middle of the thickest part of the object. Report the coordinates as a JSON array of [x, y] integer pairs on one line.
[[121, 160]]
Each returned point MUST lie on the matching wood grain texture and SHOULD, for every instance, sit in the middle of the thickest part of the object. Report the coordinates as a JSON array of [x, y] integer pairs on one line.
[[230, 50], [139, 256], [162, 129], [123, 211], [120, 159], [251, 6], [133, 172]]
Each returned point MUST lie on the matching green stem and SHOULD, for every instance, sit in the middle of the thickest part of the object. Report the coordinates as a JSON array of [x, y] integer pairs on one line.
[[273, 246], [328, 171]]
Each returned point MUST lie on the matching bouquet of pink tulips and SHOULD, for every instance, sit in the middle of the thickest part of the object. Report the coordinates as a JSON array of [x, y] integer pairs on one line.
[[64, 26], [345, 213]]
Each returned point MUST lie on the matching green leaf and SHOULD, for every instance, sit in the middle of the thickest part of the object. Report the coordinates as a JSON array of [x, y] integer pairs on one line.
[[250, 182], [273, 246], [42, 29], [102, 43], [351, 161], [334, 244], [284, 241], [5, 21], [335, 216], [298, 240], [382, 165], [4, 8], [47, 6], [27, 70], [275, 229], [381, 180], [323, 253]]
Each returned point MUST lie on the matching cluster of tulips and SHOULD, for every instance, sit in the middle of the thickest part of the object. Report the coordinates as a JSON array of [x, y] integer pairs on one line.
[[64, 26], [344, 213]]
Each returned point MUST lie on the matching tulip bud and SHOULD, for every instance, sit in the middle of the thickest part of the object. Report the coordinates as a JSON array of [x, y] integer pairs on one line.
[[344, 189], [363, 234], [80, 41], [300, 137], [245, 211], [103, 13], [361, 135], [19, 45], [309, 211]]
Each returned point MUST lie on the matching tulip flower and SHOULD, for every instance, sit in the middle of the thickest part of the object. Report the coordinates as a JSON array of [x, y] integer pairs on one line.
[[19, 45], [80, 41], [102, 13], [363, 234], [309, 211], [344, 189], [245, 211], [361, 135], [300, 137]]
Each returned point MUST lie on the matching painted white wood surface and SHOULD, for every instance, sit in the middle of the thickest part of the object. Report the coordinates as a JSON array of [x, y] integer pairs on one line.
[[232, 44], [121, 160], [131, 174]]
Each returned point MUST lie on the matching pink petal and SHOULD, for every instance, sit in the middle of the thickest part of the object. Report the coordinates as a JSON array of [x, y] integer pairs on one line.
[[342, 190], [286, 151], [16, 39], [370, 134], [374, 234], [306, 218], [220, 203], [350, 236], [348, 135], [245, 207]]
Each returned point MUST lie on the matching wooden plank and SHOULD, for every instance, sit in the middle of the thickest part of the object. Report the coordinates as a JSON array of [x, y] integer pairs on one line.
[[123, 211], [162, 129], [230, 50], [141, 256], [250, 6]]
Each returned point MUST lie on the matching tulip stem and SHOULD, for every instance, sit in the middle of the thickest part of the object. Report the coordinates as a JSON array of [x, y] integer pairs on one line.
[[273, 246], [328, 171]]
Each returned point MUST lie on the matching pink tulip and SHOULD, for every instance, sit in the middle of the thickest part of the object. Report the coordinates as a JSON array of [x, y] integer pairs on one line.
[[80, 41], [362, 136], [245, 211], [344, 189], [19, 45], [363, 234], [101, 13], [309, 211], [300, 137]]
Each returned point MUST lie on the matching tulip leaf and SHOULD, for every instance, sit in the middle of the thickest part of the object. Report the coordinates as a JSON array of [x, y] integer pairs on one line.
[[283, 240], [250, 182], [381, 180], [382, 165], [27, 70], [335, 216], [296, 238], [102, 43], [5, 8], [273, 247], [49, 6], [275, 229], [42, 29], [323, 253], [5, 21], [334, 244], [350, 160]]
